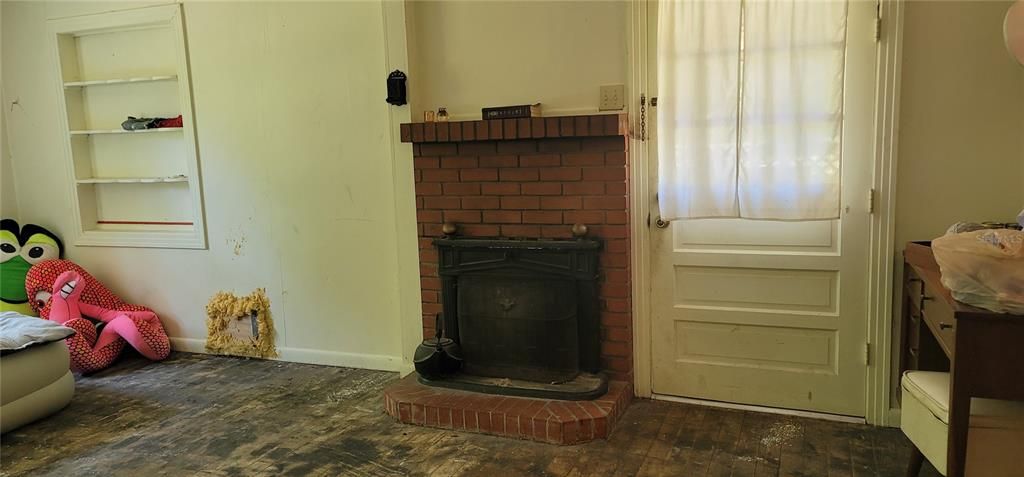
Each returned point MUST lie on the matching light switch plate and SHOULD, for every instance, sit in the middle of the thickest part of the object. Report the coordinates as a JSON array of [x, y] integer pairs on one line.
[[613, 97]]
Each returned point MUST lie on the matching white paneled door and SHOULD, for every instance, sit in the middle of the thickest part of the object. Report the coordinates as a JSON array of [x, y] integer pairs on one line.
[[772, 313]]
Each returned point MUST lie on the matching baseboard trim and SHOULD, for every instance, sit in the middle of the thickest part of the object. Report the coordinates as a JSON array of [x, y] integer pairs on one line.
[[769, 410], [312, 356], [895, 414], [406, 369], [189, 345]]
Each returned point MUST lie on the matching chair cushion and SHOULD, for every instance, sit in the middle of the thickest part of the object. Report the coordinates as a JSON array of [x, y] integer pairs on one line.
[[932, 389]]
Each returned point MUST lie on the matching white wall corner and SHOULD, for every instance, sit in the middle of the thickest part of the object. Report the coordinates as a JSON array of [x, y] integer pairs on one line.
[[409, 307]]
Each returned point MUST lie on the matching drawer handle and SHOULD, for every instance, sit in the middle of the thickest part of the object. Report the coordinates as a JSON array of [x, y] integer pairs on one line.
[[945, 326], [920, 282]]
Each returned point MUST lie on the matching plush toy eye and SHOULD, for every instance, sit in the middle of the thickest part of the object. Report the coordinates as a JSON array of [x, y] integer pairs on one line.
[[37, 252], [41, 299], [8, 249]]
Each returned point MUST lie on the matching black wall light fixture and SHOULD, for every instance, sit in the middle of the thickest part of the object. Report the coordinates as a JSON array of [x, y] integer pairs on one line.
[[396, 88]]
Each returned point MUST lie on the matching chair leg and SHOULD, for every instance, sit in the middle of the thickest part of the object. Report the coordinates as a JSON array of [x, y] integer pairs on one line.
[[916, 460]]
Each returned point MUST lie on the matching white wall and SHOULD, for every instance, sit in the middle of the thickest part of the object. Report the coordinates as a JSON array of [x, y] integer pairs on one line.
[[8, 198], [961, 139], [961, 131], [295, 151], [468, 55], [962, 102]]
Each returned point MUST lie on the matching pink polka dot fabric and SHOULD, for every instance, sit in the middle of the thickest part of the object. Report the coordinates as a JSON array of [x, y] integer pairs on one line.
[[84, 357], [61, 291]]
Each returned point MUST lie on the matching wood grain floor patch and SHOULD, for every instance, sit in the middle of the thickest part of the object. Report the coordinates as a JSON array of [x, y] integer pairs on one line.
[[198, 415]]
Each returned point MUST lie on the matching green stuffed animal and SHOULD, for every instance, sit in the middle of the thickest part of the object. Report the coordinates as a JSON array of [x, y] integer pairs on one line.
[[20, 248]]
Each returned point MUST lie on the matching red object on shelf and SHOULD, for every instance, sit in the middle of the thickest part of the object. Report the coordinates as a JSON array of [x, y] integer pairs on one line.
[[169, 123], [139, 222]]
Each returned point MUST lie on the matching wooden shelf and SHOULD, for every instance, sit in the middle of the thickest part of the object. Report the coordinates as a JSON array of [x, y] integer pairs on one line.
[[615, 124], [133, 180], [140, 79], [128, 192], [89, 132]]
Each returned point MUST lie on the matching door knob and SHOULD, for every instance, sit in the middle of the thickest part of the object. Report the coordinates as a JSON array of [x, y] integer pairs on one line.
[[662, 223]]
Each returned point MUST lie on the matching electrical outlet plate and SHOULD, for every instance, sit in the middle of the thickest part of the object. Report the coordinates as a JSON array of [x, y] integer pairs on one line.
[[613, 97]]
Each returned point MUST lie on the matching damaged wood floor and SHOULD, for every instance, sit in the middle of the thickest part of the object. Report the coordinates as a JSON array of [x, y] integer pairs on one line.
[[213, 416]]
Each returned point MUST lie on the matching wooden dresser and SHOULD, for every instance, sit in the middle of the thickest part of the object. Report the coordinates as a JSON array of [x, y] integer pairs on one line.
[[984, 351]]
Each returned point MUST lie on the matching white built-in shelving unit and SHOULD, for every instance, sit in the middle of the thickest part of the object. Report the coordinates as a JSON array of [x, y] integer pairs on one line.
[[130, 188]]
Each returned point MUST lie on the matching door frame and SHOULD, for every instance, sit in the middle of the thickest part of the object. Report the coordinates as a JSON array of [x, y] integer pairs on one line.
[[882, 228]]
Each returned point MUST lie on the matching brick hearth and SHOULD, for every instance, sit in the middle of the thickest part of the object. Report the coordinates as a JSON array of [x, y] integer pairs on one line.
[[542, 420], [530, 178]]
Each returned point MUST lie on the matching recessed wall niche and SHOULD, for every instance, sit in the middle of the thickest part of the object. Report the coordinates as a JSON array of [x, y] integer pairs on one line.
[[135, 188]]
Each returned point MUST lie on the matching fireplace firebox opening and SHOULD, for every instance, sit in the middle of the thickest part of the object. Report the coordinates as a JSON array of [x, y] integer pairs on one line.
[[525, 314]]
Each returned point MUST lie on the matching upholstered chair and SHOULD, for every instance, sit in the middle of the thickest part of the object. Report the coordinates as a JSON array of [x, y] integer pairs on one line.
[[995, 440]]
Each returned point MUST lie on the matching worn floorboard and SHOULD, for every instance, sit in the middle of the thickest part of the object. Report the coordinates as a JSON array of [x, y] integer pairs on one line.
[[221, 417]]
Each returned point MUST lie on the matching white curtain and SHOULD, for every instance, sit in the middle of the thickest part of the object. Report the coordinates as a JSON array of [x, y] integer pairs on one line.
[[749, 109]]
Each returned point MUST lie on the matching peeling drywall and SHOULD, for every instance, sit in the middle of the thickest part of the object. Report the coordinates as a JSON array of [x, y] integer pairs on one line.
[[223, 336]]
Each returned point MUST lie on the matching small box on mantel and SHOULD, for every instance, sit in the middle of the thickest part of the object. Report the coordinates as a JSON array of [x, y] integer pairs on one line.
[[512, 112]]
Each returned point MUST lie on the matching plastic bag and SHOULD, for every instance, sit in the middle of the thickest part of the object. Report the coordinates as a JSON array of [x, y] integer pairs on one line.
[[984, 268]]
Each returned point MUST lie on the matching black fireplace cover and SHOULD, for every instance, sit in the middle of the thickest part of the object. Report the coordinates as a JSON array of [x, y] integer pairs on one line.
[[518, 325], [523, 309]]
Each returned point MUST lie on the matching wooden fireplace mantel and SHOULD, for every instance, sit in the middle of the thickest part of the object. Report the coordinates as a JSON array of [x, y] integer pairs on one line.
[[615, 124]]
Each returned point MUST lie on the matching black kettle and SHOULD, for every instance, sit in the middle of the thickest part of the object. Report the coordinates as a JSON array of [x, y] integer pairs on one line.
[[437, 356]]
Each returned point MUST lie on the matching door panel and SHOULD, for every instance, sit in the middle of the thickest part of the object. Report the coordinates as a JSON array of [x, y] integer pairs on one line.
[[787, 349], [761, 235], [734, 289], [765, 312]]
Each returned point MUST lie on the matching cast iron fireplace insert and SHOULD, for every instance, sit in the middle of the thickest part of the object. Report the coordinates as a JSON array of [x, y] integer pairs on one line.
[[526, 314]]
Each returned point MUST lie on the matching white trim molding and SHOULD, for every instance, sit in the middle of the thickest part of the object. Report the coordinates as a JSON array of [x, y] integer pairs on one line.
[[310, 356], [882, 234], [640, 199]]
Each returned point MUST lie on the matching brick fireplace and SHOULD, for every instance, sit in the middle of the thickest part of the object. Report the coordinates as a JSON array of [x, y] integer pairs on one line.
[[529, 179]]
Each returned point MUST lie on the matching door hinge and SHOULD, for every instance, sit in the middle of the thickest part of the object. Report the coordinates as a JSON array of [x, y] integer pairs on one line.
[[871, 201], [867, 354], [878, 21]]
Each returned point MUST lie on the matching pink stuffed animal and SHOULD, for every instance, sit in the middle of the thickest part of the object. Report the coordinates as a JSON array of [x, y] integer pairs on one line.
[[61, 291]]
